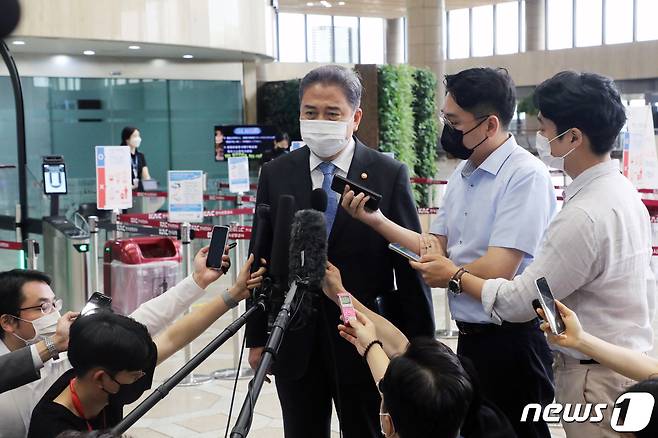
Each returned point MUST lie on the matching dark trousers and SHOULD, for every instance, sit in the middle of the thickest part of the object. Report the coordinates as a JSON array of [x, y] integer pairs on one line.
[[306, 402], [514, 365]]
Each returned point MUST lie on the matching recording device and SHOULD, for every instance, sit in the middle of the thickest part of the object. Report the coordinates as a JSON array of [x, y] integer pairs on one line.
[[346, 307], [404, 252], [279, 254], [54, 175], [308, 248], [547, 303], [338, 185], [11, 13], [217, 246], [97, 302], [261, 244], [319, 200]]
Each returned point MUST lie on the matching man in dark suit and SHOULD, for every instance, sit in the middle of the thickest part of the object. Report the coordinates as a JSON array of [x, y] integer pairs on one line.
[[314, 365]]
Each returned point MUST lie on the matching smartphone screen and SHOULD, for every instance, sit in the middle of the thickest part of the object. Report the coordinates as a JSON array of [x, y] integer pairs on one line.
[[217, 246], [95, 303], [548, 305], [404, 252]]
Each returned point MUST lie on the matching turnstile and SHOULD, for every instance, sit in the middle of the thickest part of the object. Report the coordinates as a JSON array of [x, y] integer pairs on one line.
[[66, 260]]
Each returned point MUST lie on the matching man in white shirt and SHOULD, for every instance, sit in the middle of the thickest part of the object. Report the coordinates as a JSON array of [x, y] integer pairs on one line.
[[24, 295], [597, 251]]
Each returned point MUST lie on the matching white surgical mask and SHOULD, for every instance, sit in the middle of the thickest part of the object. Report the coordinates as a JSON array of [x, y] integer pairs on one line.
[[325, 138], [135, 142], [543, 146], [44, 327]]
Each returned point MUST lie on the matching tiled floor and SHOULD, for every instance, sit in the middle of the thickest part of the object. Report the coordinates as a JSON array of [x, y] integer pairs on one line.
[[202, 411]]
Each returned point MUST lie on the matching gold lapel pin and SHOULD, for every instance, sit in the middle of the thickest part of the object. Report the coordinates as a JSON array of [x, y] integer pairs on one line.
[[364, 176]]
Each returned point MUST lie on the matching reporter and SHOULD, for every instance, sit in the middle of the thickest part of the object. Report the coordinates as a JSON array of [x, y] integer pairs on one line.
[[630, 363], [114, 358]]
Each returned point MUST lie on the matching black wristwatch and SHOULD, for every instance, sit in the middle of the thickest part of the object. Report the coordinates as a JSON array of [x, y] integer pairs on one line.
[[455, 283]]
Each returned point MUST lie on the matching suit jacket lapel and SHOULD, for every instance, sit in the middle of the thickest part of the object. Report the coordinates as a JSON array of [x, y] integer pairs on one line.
[[360, 164]]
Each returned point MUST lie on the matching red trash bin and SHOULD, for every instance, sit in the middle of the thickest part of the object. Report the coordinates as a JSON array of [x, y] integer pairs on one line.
[[138, 269]]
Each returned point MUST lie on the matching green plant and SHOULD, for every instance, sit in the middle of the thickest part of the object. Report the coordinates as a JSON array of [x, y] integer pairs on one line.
[[278, 105], [527, 105], [426, 128], [396, 118]]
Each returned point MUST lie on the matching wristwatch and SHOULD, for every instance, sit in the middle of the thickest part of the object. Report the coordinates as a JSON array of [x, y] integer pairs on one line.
[[455, 283], [52, 350]]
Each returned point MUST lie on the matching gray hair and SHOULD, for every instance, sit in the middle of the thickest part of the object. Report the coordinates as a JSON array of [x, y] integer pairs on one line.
[[345, 78]]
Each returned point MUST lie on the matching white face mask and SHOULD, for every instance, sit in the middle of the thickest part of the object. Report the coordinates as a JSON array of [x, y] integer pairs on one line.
[[135, 142], [44, 327], [325, 138], [543, 146]]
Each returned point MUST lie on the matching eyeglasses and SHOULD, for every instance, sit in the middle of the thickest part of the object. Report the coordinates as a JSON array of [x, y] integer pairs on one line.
[[451, 125], [47, 306]]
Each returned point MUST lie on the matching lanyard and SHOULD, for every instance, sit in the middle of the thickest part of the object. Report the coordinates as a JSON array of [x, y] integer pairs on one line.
[[77, 404], [135, 162]]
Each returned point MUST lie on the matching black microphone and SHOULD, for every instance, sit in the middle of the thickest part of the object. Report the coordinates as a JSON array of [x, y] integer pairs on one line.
[[11, 13], [279, 259], [261, 244], [319, 200], [308, 248]]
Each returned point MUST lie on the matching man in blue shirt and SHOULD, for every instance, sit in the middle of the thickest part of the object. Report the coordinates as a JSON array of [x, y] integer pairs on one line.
[[498, 203]]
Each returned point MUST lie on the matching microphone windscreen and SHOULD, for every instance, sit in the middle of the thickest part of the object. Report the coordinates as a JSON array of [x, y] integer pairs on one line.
[[308, 247], [281, 238], [319, 200], [10, 13]]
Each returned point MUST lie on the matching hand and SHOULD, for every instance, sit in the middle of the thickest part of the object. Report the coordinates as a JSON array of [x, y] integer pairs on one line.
[[61, 337], [355, 206], [429, 244], [246, 282], [204, 276], [572, 336], [361, 332], [435, 269], [332, 283], [255, 355]]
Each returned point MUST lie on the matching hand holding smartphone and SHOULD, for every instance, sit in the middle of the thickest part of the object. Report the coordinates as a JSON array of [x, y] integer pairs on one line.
[[338, 185], [547, 303], [96, 303], [217, 246], [404, 252]]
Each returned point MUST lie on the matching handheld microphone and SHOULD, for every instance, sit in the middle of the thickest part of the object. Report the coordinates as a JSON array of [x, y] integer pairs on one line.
[[279, 258], [261, 245], [11, 13], [319, 200]]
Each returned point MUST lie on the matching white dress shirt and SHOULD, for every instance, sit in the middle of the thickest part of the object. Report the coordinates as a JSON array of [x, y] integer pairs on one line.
[[596, 259], [16, 405], [342, 162]]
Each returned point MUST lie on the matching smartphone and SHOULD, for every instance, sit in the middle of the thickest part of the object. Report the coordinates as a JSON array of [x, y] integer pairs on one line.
[[547, 303], [346, 307], [404, 252], [96, 303], [338, 185], [217, 246]]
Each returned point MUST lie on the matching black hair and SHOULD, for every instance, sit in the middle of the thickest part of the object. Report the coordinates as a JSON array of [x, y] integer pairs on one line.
[[343, 77], [586, 101], [109, 341], [11, 289], [650, 386], [126, 133], [280, 136], [484, 91], [426, 391]]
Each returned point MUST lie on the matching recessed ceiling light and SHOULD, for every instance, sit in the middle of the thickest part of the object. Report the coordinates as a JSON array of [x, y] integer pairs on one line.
[[325, 3], [88, 52], [341, 3], [19, 43], [134, 47], [188, 56], [309, 4]]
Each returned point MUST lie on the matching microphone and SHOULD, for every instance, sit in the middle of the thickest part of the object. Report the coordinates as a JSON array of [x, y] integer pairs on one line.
[[11, 13], [319, 200], [279, 258], [261, 245], [308, 248]]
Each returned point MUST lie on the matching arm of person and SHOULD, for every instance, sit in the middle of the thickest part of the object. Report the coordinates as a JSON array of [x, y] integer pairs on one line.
[[395, 342], [632, 364], [145, 173], [190, 326], [362, 333]]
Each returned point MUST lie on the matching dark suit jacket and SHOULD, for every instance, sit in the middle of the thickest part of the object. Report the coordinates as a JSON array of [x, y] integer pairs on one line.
[[366, 264], [17, 369]]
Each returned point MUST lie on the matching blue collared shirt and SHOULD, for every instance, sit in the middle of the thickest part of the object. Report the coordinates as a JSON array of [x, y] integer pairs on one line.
[[507, 202]]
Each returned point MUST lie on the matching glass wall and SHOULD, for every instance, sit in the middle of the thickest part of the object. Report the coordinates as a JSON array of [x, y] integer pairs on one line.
[[69, 116]]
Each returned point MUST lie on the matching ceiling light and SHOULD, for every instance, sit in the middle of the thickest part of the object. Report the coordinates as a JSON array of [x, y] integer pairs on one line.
[[188, 56], [309, 4], [89, 52], [325, 3], [134, 47], [341, 3], [19, 43]]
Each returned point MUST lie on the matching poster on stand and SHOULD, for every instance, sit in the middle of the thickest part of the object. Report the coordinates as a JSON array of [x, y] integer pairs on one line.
[[238, 174], [113, 178], [640, 161], [185, 195]]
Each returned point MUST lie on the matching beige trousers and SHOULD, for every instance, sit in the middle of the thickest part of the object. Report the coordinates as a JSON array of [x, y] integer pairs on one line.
[[576, 383]]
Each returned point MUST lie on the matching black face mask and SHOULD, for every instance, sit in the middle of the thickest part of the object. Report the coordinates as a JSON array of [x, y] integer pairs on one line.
[[452, 141]]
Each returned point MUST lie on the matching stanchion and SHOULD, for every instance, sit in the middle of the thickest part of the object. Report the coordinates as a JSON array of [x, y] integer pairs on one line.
[[242, 372], [19, 234], [186, 238], [93, 253], [31, 249]]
